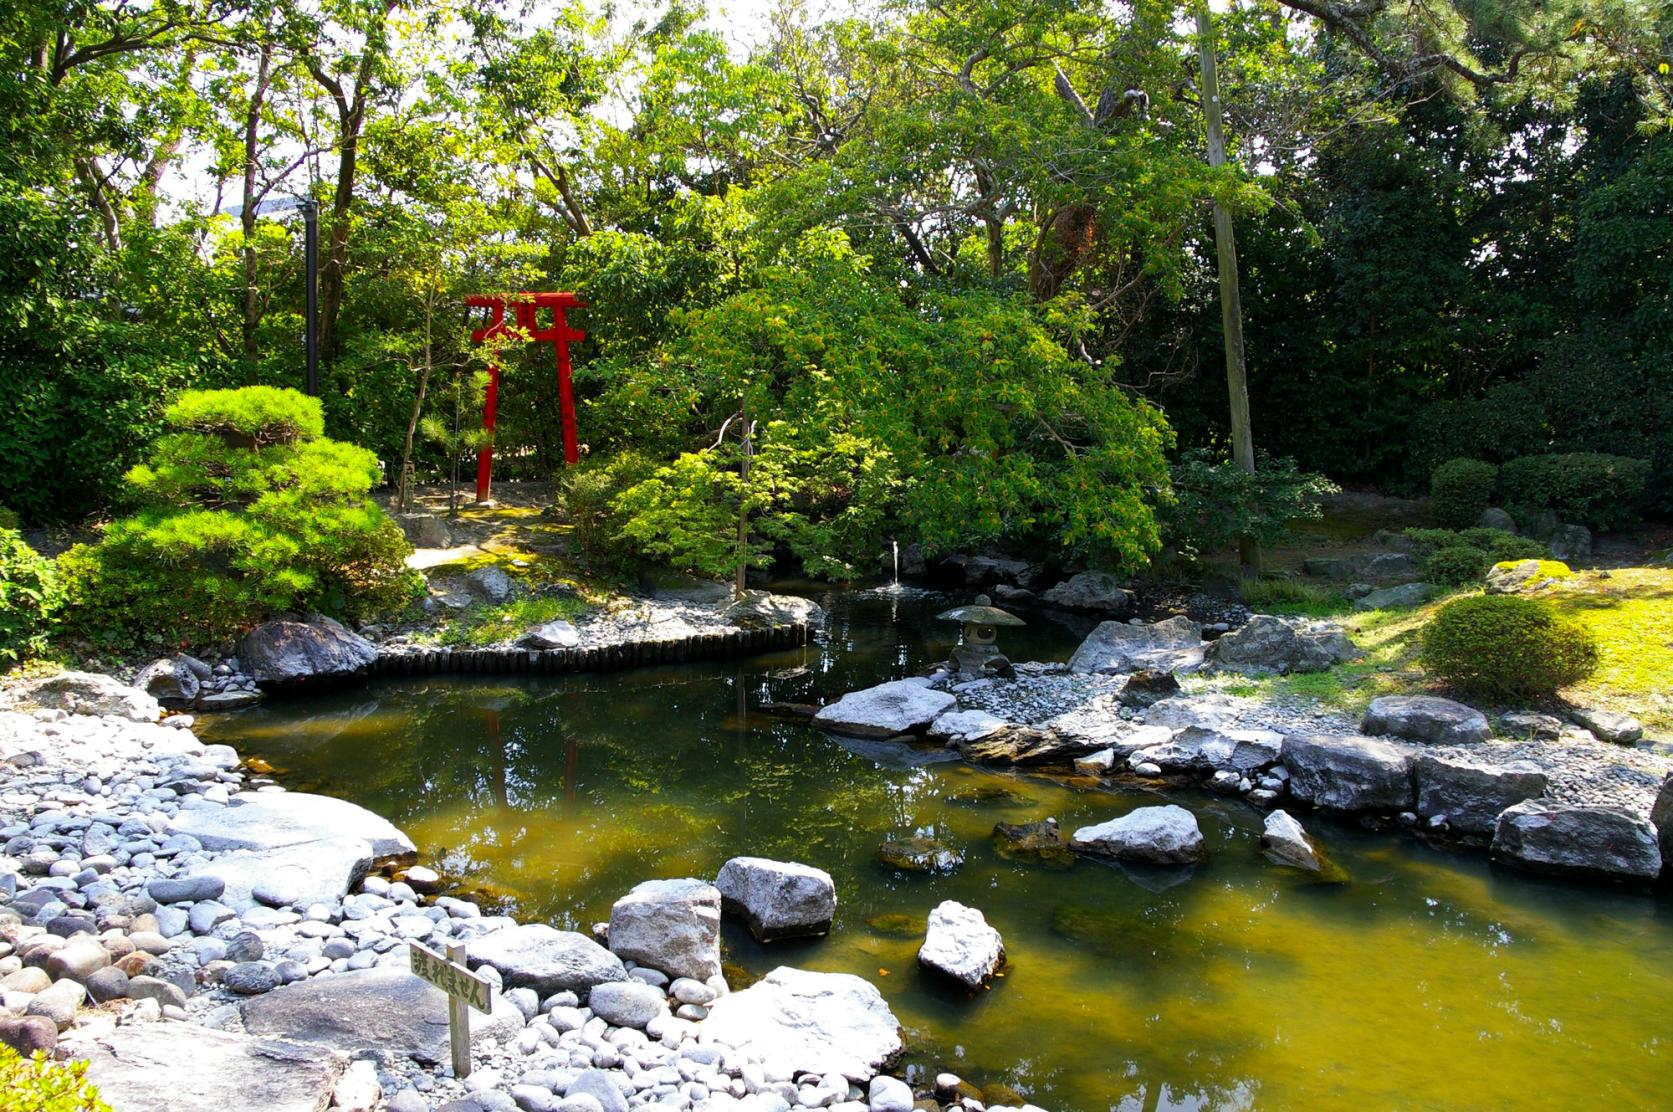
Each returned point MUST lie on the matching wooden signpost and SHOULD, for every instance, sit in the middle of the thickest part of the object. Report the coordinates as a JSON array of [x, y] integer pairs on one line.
[[464, 990]]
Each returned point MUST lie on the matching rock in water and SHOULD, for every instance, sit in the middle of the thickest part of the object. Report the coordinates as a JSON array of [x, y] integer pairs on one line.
[[534, 955], [1096, 591], [900, 707], [1285, 843], [670, 925], [1426, 718], [762, 610], [808, 1022], [779, 899], [920, 855], [1165, 835], [273, 820], [387, 1010], [1113, 647], [282, 652], [1472, 792], [1350, 773], [169, 1067], [1038, 841], [1577, 840], [1268, 644], [960, 944]]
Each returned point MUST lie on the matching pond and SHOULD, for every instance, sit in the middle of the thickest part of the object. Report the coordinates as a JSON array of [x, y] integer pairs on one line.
[[1430, 979]]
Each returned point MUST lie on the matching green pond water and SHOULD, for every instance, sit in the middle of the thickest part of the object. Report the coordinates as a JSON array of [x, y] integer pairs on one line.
[[1430, 979]]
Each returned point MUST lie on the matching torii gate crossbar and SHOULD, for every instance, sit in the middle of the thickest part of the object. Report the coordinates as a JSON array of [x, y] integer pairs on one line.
[[527, 307]]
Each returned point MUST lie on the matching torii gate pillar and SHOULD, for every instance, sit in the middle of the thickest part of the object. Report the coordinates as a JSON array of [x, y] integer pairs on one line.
[[527, 307]]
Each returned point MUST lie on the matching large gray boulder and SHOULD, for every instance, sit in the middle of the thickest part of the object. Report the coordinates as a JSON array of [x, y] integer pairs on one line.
[[534, 955], [556, 634], [899, 707], [960, 944], [490, 584], [1471, 791], [779, 899], [93, 694], [1347, 773], [285, 652], [1268, 644], [1608, 725], [1113, 647], [1165, 835], [273, 820], [1096, 591], [808, 1022], [387, 1011], [1661, 817], [171, 1067], [291, 876], [764, 610], [1201, 749], [671, 925], [1567, 839], [1426, 718]]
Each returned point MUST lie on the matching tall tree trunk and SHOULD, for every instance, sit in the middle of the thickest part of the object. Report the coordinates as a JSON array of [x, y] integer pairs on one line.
[[747, 432], [403, 493], [1231, 300], [247, 215]]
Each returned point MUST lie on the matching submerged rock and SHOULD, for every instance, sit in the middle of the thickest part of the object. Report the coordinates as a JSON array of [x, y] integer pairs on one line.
[[1096, 591], [1269, 644], [920, 855], [1039, 841], [1164, 835], [960, 944], [1426, 718], [1578, 840], [1115, 647], [283, 652], [669, 925], [779, 899], [1348, 773], [1471, 792], [899, 707], [808, 1022]]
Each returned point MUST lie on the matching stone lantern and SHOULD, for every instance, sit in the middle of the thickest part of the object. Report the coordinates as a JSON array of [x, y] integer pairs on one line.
[[978, 654]]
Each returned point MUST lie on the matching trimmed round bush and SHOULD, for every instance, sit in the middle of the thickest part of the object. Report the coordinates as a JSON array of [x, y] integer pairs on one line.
[[1459, 490], [1507, 646], [29, 598], [1599, 491], [1500, 545], [1456, 565]]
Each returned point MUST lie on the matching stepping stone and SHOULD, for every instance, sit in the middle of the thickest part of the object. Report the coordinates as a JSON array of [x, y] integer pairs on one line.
[[166, 1067]]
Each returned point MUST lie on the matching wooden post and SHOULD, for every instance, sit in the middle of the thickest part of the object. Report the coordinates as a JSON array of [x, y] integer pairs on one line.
[[1231, 301], [459, 1018]]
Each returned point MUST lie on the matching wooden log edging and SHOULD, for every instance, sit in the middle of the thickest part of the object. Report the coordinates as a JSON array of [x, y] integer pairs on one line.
[[716, 645]]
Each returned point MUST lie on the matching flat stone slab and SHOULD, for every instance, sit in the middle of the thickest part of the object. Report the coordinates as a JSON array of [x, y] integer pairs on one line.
[[537, 956], [809, 1022], [1115, 647], [1348, 773], [900, 707], [274, 820], [312, 872], [1577, 841], [1426, 718], [170, 1067], [385, 1010]]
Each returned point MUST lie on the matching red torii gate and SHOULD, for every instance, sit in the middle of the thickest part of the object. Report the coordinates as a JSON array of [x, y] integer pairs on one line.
[[527, 306]]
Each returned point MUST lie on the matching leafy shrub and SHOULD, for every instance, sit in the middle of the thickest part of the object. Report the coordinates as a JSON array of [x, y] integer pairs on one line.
[[1215, 501], [586, 494], [1495, 544], [1507, 646], [1601, 491], [38, 1084], [1456, 565], [29, 598], [1459, 490], [246, 512]]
